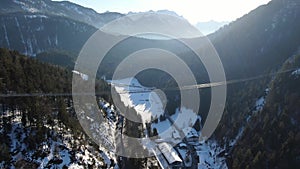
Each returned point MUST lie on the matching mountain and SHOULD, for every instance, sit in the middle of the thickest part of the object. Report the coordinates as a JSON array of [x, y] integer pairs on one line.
[[33, 27], [256, 45], [262, 101], [253, 50], [31, 34], [260, 40], [210, 26], [62, 8], [271, 137], [166, 12]]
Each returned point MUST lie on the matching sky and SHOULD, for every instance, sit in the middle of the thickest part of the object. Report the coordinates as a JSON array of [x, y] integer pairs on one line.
[[193, 10]]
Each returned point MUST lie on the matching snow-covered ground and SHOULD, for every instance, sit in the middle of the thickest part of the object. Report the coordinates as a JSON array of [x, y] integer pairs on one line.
[[144, 100], [181, 118], [148, 103], [208, 156], [185, 118], [296, 72], [103, 132], [61, 148], [259, 104]]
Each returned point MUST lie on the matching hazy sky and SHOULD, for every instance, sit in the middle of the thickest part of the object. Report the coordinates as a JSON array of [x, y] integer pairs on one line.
[[193, 10]]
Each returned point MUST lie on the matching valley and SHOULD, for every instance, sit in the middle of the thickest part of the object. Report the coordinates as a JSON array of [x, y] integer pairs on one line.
[[139, 122]]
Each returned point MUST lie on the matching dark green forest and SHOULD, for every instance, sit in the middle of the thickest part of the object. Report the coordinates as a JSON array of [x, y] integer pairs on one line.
[[34, 89], [271, 139]]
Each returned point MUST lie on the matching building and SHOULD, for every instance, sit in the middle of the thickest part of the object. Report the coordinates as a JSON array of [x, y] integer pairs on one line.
[[191, 134], [170, 154]]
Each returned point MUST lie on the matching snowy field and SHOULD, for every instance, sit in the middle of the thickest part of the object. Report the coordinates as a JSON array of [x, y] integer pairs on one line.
[[144, 100]]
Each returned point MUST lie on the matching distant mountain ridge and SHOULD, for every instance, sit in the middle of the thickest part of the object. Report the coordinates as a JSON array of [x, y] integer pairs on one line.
[[210, 26], [33, 27], [59, 8], [166, 12]]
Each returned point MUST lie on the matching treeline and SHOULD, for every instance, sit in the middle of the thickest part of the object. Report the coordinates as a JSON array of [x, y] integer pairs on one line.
[[21, 74], [24, 77], [58, 57]]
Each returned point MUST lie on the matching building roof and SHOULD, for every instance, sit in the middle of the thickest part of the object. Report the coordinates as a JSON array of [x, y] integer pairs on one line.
[[169, 152]]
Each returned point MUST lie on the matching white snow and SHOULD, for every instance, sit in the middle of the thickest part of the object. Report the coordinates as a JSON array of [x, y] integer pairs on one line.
[[61, 148], [19, 2], [208, 156], [21, 35], [75, 166], [29, 44], [296, 72], [35, 16], [49, 41], [169, 152], [56, 40], [144, 100], [185, 118], [260, 104], [82, 75], [237, 137], [190, 132], [6, 36]]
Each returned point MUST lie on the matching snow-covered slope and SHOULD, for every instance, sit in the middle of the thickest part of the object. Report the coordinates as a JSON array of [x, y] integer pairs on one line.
[[33, 33], [144, 100], [61, 147], [63, 8]]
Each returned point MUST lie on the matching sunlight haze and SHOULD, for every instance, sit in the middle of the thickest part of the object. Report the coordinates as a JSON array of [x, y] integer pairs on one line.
[[193, 10]]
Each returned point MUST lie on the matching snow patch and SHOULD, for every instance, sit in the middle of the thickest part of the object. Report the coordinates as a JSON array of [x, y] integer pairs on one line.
[[6, 36], [82, 75], [237, 137], [296, 72], [75, 166], [21, 35], [259, 105], [35, 16], [208, 156]]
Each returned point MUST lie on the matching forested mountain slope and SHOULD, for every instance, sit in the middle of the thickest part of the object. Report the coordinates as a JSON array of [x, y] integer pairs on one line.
[[254, 47], [261, 40], [31, 34], [38, 126], [271, 137], [59, 8]]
